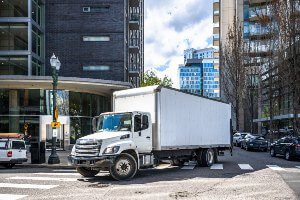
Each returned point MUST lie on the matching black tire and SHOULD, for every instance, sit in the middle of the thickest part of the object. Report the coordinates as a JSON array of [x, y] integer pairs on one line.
[[216, 160], [247, 148], [205, 158], [124, 167], [272, 152], [9, 166], [287, 155], [87, 172]]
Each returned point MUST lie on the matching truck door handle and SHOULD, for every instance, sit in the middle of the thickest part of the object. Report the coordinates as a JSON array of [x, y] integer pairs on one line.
[[148, 137]]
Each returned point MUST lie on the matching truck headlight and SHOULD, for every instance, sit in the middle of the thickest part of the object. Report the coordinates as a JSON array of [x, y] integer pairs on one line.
[[111, 150]]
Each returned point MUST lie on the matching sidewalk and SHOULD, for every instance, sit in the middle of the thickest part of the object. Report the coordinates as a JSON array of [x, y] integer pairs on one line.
[[63, 157]]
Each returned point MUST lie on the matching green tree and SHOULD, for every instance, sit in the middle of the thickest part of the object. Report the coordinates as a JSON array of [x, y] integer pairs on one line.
[[150, 78]]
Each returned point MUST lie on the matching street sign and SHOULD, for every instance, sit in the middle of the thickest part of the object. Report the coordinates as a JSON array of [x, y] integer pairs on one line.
[[54, 132], [55, 124]]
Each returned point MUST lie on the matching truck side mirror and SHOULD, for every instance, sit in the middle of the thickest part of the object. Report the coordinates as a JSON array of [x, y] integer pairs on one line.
[[145, 123], [94, 124], [137, 123]]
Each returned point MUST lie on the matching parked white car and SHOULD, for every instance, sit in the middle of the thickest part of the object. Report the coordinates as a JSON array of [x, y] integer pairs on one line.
[[12, 151], [237, 138]]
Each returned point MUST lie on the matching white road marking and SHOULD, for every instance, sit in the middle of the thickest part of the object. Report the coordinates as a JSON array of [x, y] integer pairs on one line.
[[58, 174], [245, 167], [11, 196], [275, 167], [43, 178], [64, 170], [27, 186], [189, 167], [217, 166]]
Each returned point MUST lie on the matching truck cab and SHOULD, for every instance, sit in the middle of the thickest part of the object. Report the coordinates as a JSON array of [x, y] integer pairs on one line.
[[12, 151], [121, 144]]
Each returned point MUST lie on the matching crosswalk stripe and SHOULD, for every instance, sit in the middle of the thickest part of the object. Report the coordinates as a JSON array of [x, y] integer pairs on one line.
[[245, 167], [58, 174], [27, 186], [275, 167], [217, 166], [64, 170], [189, 167], [11, 196], [43, 178]]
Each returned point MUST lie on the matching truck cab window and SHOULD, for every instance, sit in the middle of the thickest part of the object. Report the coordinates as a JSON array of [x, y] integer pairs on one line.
[[145, 122], [137, 123]]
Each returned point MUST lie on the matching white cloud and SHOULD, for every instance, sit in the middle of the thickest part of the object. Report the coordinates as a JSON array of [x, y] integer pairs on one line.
[[169, 26]]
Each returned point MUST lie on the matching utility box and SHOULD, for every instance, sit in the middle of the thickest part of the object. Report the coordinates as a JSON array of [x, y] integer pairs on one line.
[[38, 152]]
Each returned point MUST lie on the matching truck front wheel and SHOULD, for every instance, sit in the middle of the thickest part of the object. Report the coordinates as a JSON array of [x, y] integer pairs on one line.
[[124, 167], [205, 158], [87, 172]]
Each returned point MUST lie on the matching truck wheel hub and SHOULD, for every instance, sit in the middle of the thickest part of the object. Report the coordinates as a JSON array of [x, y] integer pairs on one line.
[[123, 167]]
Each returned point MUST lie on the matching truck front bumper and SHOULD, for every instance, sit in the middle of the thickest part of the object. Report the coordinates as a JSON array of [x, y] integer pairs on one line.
[[99, 161]]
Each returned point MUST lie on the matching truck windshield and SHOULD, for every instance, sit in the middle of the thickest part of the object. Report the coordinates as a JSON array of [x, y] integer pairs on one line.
[[115, 122]]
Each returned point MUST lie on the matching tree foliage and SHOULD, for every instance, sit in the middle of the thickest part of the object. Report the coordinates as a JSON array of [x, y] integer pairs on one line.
[[150, 78]]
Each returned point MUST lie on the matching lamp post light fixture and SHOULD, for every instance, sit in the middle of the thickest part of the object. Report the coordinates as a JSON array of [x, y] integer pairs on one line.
[[55, 64]]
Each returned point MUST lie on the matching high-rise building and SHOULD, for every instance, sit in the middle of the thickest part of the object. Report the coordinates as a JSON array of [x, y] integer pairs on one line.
[[256, 20], [200, 75], [100, 44]]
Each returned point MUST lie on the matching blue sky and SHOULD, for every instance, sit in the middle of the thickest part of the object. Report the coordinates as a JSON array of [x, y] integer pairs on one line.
[[171, 26]]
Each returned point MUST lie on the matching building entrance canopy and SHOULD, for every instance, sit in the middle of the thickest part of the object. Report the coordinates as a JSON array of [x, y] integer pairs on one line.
[[86, 85]]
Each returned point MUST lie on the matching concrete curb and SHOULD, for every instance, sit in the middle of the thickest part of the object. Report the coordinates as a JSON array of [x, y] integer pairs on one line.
[[54, 166]]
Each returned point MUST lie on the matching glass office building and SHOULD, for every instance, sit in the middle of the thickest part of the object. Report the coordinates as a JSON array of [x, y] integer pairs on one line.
[[22, 43], [200, 75], [190, 79]]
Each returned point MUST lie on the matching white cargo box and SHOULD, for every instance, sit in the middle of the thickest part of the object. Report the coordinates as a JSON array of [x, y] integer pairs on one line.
[[179, 120]]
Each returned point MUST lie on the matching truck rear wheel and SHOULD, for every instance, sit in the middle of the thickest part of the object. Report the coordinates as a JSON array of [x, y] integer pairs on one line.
[[124, 167], [87, 172], [205, 158]]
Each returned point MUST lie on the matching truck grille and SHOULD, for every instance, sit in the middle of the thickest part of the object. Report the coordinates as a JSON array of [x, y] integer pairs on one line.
[[86, 147]]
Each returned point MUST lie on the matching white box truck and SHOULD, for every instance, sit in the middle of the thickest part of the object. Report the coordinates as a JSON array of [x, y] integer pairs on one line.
[[150, 124]]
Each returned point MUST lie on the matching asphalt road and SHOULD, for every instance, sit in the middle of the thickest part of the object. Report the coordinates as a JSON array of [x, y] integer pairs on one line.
[[252, 179]]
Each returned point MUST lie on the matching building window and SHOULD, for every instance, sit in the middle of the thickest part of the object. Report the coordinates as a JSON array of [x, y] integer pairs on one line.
[[95, 9], [86, 9], [96, 68], [96, 38]]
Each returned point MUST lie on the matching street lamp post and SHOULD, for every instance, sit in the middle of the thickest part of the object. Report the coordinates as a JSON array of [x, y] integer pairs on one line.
[[55, 64]]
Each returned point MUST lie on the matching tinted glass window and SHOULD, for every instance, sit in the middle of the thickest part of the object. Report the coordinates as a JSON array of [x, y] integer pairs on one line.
[[18, 145], [259, 138], [287, 140], [2, 144]]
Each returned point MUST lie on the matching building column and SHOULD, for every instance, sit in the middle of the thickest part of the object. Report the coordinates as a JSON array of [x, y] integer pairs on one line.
[[30, 37], [14, 111]]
